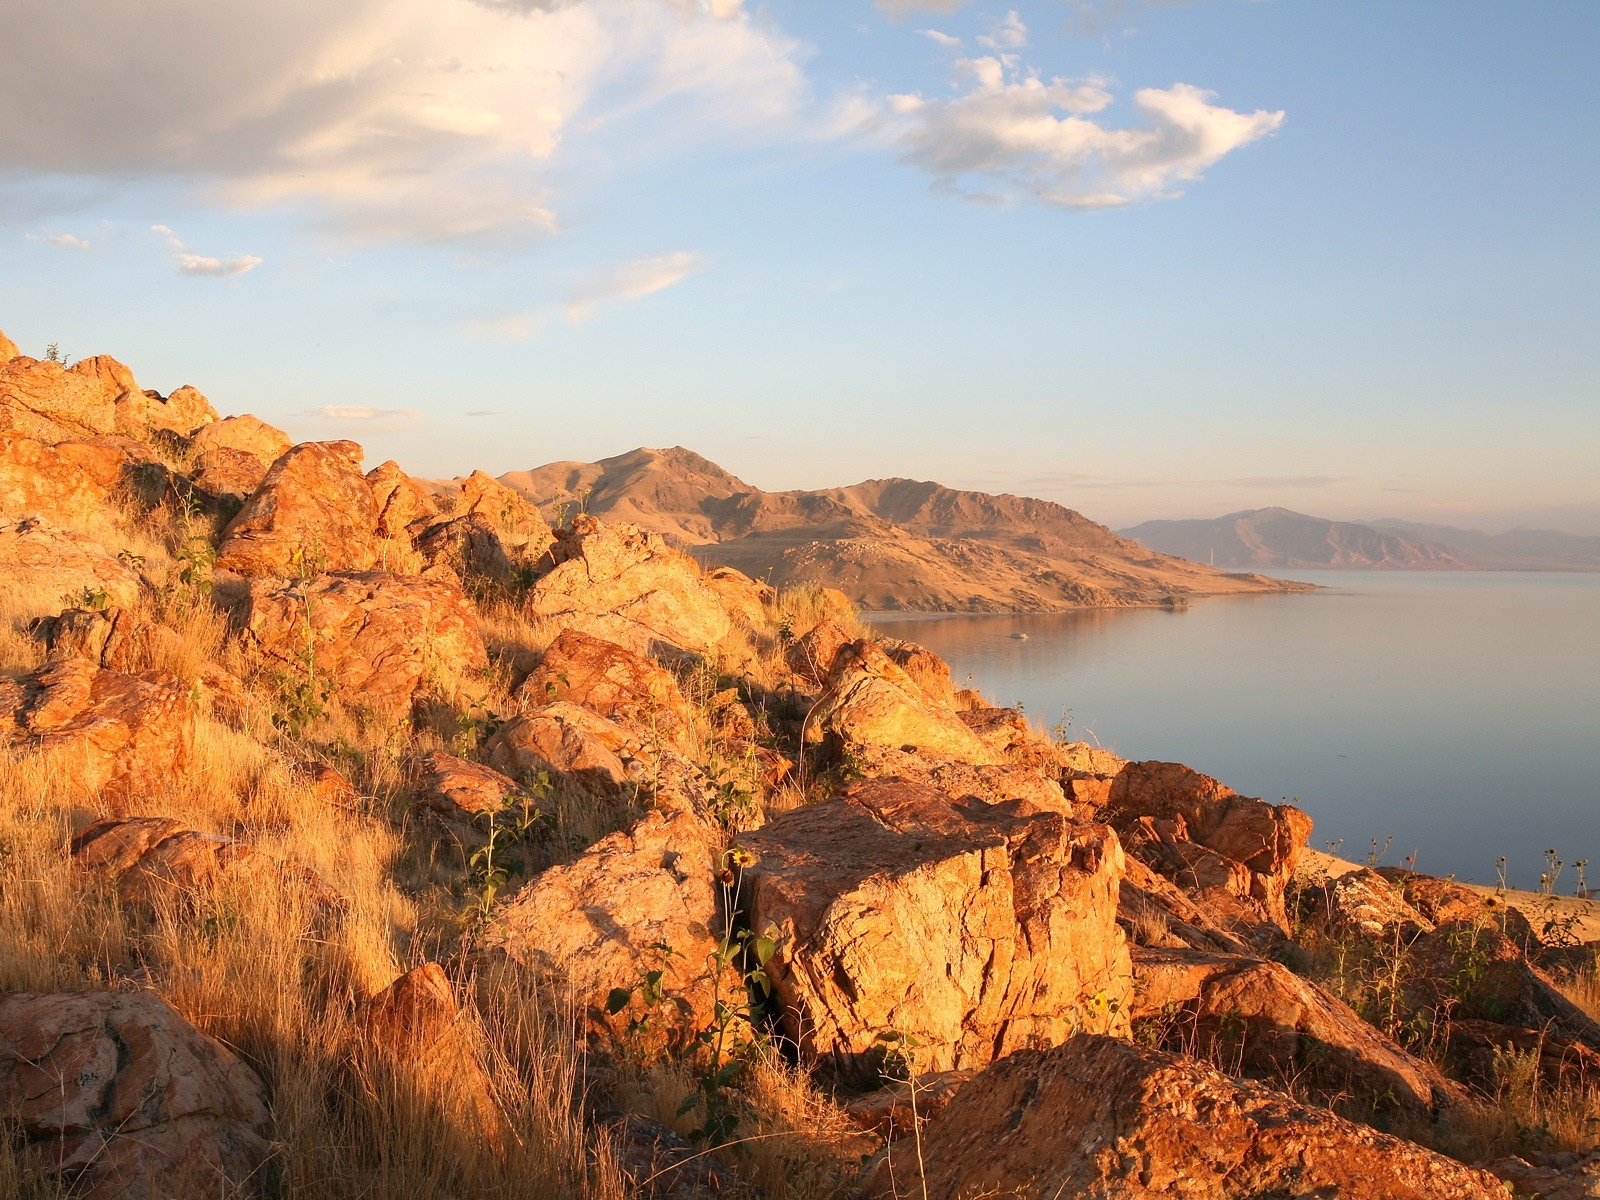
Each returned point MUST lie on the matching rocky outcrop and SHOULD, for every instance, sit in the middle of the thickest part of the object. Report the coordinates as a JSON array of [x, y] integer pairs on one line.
[[812, 655], [1103, 1119], [516, 521], [871, 701], [313, 512], [44, 568], [184, 412], [159, 861], [48, 402], [104, 730], [402, 502], [1260, 1018], [627, 586], [121, 1098], [579, 749], [458, 787], [636, 902], [232, 456], [69, 482], [8, 350], [970, 929], [466, 547], [613, 682], [372, 639]]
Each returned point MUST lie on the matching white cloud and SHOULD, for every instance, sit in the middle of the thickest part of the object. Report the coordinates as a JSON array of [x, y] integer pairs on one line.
[[629, 281], [1010, 137], [65, 240], [363, 413], [199, 264], [386, 120], [943, 39], [900, 9], [1008, 33]]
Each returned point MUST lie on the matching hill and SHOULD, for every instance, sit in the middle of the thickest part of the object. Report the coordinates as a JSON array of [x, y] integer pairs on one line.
[[887, 543], [1278, 538]]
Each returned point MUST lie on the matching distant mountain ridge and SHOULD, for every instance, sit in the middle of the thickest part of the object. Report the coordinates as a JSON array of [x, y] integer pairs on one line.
[[887, 543], [1279, 538]]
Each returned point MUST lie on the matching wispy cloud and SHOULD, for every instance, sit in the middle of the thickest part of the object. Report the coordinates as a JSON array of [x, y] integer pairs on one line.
[[200, 264], [65, 240], [1006, 34], [629, 281], [1012, 137], [948, 41], [363, 413]]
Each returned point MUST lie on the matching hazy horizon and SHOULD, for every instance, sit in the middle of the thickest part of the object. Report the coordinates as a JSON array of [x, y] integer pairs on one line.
[[1150, 260]]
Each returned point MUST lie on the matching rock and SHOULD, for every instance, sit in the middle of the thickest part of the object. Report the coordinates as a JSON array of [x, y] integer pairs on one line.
[[625, 585], [971, 929], [120, 1097], [869, 701], [8, 349], [1155, 912], [44, 568], [960, 781], [456, 787], [376, 640], [1480, 1046], [1155, 804], [743, 598], [582, 750], [635, 902], [47, 402], [1577, 1179], [812, 656], [511, 515], [70, 482], [1360, 903], [1102, 1119], [328, 784], [184, 412], [926, 669], [402, 502], [313, 512], [106, 730], [1443, 900], [1260, 1018], [469, 547], [615, 683], [157, 861], [232, 456], [888, 1110]]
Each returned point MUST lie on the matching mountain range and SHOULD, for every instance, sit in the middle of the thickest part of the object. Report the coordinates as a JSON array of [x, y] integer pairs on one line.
[[887, 543], [1279, 538]]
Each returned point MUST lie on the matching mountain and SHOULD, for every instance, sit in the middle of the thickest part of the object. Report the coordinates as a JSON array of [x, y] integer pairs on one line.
[[1278, 538], [887, 543]]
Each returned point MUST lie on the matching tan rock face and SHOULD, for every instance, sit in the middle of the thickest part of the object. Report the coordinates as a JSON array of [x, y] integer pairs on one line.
[[926, 669], [1101, 1119], [1172, 816], [812, 655], [44, 568], [973, 929], [313, 511], [625, 585], [580, 749], [375, 640], [596, 924], [8, 349], [402, 501], [870, 701], [158, 860], [468, 547], [233, 455], [47, 402], [613, 682], [121, 1095], [743, 598], [106, 730], [1261, 1018], [68, 481], [183, 412], [458, 787], [509, 514]]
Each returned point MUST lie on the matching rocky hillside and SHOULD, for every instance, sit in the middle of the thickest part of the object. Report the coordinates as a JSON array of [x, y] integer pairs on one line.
[[364, 838], [1278, 538], [1514, 550], [887, 544]]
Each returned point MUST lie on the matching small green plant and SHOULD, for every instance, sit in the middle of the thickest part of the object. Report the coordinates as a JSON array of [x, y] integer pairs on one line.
[[52, 353], [505, 825], [94, 598]]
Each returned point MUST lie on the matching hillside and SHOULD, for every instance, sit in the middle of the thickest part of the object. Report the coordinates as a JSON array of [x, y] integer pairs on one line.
[[887, 543], [1514, 550], [1280, 538]]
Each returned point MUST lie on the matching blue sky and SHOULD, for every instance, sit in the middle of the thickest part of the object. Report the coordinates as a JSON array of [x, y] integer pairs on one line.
[[1146, 259]]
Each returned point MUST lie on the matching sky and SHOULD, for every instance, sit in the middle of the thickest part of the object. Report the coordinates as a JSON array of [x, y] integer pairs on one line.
[[1147, 258]]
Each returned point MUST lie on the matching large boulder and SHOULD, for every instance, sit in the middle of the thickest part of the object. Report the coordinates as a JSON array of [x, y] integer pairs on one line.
[[373, 639], [509, 513], [588, 755], [313, 512], [1102, 1119], [402, 502], [124, 733], [232, 456], [467, 548], [970, 929], [8, 350], [44, 568], [46, 401], [811, 656], [636, 902], [1260, 1018], [69, 481], [459, 787], [182, 413], [1172, 816], [620, 583], [120, 1097], [871, 701]]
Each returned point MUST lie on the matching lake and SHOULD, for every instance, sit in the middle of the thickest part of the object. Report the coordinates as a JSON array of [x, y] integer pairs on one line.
[[1457, 713]]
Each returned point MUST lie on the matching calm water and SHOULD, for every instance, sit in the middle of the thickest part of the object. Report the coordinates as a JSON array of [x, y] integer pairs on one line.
[[1458, 713]]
